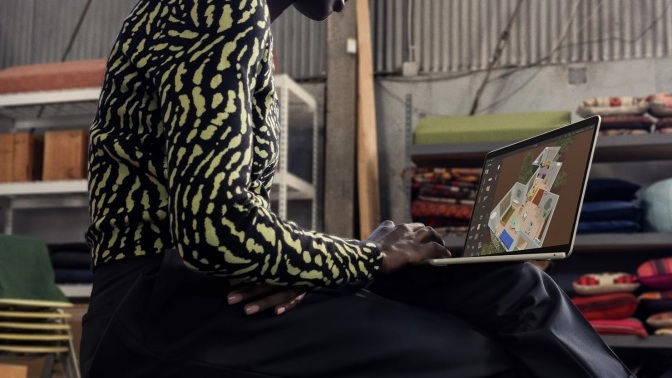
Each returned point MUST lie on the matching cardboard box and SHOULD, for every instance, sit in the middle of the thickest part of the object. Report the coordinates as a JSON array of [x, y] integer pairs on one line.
[[13, 371], [20, 157], [65, 153]]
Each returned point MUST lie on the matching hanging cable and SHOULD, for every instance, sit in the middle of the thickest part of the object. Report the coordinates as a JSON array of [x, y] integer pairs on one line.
[[501, 44], [71, 42], [80, 21]]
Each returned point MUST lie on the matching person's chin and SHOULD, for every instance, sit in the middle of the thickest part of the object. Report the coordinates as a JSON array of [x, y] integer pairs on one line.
[[318, 10], [316, 15]]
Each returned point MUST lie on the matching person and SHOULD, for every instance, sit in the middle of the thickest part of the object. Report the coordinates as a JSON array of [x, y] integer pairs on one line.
[[194, 275]]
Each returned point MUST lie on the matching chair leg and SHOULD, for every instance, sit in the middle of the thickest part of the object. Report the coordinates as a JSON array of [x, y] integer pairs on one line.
[[69, 363], [48, 367], [69, 359]]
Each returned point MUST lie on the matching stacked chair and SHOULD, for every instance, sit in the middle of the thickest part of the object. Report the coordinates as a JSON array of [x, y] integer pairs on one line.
[[32, 321]]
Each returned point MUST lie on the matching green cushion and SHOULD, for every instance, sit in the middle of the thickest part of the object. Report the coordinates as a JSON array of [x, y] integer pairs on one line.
[[487, 128], [26, 271]]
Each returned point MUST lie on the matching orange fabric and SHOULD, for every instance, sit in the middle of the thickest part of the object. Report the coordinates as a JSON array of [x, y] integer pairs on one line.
[[53, 76]]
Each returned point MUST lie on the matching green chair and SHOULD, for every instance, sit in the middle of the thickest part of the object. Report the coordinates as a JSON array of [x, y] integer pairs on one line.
[[32, 322]]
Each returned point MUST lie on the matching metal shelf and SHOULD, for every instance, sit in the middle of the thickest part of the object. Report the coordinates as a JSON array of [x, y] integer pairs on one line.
[[73, 291], [43, 194], [74, 108], [636, 342], [609, 149]]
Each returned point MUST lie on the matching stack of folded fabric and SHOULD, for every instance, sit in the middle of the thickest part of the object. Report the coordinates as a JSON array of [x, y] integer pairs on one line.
[[656, 276], [660, 106], [71, 263], [664, 125], [607, 301], [443, 198], [620, 115], [657, 212], [608, 207]]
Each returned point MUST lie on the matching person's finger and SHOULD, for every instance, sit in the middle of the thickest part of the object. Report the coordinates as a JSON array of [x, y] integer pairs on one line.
[[412, 226], [284, 307], [427, 234], [282, 298], [432, 250], [248, 291], [387, 223]]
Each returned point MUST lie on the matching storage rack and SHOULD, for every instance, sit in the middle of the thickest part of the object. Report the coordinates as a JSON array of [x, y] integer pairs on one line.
[[609, 149], [74, 108]]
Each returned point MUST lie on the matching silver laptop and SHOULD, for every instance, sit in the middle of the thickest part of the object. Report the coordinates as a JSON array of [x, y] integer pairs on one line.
[[529, 198]]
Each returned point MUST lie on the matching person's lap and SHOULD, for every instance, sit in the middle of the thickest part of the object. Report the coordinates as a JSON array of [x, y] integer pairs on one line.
[[178, 319]]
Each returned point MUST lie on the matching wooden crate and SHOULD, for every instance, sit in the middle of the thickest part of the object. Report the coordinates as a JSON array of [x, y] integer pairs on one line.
[[13, 371], [65, 154], [20, 157]]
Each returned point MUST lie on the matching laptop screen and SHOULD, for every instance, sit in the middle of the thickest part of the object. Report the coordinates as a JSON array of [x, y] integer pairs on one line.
[[529, 196]]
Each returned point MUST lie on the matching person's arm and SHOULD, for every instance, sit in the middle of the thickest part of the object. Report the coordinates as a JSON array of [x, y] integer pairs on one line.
[[206, 68]]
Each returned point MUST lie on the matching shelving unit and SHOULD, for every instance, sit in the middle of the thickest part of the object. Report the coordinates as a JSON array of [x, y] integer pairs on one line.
[[609, 251], [635, 342], [75, 108], [609, 149]]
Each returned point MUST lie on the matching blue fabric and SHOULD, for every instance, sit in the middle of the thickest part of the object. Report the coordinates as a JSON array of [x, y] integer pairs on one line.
[[71, 260], [73, 276], [657, 204], [506, 239], [608, 226], [626, 122], [610, 210], [610, 189]]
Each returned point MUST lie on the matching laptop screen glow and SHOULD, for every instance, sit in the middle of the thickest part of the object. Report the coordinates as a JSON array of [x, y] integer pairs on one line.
[[528, 198]]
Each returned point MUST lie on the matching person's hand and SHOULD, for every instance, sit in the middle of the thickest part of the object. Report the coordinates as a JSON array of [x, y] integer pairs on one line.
[[281, 299], [407, 243]]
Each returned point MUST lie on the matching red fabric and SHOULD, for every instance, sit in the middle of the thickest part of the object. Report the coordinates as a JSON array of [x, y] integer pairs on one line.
[[440, 209], [587, 281], [656, 273], [607, 306], [605, 283], [625, 278], [441, 175], [53, 76], [619, 327]]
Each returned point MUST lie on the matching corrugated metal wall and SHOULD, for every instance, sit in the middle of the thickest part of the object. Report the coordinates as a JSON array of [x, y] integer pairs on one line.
[[441, 35], [38, 31], [459, 35]]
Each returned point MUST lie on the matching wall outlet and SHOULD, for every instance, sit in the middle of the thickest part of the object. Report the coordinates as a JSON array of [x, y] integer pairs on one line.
[[576, 75], [410, 69]]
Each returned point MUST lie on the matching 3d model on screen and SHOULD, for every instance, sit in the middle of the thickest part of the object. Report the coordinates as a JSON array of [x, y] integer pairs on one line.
[[520, 220]]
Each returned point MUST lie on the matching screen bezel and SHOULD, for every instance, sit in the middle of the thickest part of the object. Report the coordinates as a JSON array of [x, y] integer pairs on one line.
[[530, 142]]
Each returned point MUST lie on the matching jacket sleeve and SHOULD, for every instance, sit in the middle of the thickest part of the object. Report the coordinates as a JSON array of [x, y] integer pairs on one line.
[[210, 65]]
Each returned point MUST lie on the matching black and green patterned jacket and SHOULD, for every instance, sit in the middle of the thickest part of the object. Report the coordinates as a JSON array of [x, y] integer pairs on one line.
[[184, 147]]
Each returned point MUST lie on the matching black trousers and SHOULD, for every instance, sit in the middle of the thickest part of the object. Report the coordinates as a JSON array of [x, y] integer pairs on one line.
[[152, 317]]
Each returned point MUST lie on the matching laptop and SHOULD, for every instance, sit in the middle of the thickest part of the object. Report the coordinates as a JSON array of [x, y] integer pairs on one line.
[[529, 199]]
